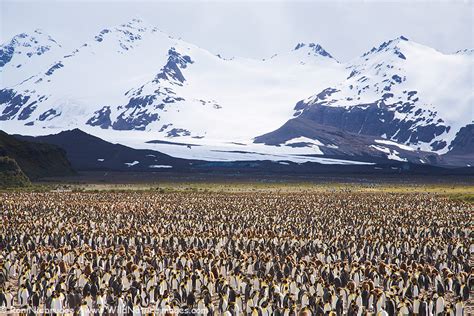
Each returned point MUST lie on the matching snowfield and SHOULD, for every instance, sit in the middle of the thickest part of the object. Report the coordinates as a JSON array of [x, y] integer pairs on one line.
[[133, 83]]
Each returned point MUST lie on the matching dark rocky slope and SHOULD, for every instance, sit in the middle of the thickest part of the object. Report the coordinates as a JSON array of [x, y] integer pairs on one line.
[[35, 160]]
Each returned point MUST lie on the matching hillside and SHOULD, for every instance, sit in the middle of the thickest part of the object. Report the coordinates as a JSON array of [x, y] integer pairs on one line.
[[11, 174], [35, 160], [87, 152]]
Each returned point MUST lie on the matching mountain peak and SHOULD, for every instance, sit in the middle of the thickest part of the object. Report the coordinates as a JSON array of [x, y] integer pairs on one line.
[[26, 44], [315, 48], [129, 31], [466, 51], [26, 39], [39, 32], [391, 45], [135, 23]]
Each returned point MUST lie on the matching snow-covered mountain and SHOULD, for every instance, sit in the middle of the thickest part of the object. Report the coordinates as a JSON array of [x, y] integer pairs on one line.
[[400, 92], [134, 84], [134, 77], [25, 55]]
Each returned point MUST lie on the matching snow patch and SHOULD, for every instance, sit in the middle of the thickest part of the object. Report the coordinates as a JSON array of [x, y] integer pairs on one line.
[[159, 166], [389, 142], [303, 139], [391, 154], [130, 164]]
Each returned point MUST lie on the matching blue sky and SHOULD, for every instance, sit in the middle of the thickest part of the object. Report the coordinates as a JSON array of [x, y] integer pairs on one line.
[[255, 29]]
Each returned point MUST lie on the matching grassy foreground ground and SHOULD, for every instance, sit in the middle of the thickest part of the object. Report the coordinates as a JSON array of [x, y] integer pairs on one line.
[[456, 189]]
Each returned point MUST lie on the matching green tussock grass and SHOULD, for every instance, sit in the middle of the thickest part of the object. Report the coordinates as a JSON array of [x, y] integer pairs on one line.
[[11, 176], [460, 192], [465, 197]]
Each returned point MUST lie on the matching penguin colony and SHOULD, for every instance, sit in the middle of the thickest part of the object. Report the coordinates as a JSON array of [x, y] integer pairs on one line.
[[338, 253]]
